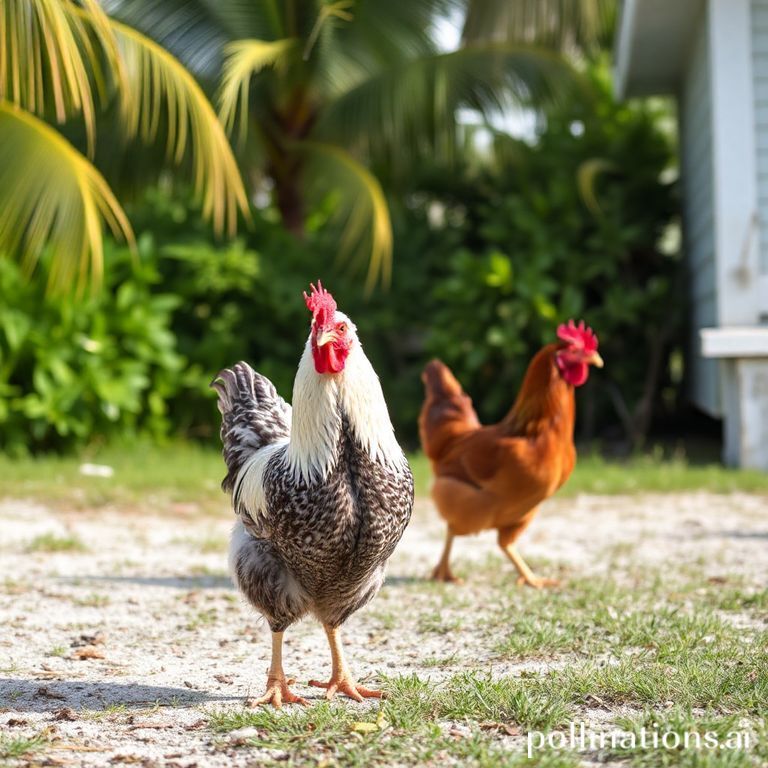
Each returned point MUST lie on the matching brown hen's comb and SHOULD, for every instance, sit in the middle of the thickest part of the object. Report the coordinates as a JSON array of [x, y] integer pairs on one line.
[[580, 335], [320, 303]]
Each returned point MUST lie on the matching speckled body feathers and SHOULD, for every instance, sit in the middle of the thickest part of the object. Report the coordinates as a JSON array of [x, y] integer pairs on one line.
[[315, 542]]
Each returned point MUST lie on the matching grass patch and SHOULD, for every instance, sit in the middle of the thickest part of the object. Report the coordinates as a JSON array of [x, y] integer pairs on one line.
[[691, 741], [411, 727], [15, 747], [176, 473], [50, 542], [188, 473], [653, 472]]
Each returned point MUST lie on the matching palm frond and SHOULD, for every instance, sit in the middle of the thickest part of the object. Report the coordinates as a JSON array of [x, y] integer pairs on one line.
[[362, 208], [159, 88], [565, 25], [186, 28], [48, 60], [403, 112], [243, 59], [51, 195]]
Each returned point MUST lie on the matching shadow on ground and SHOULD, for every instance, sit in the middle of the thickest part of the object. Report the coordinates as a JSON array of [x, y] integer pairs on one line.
[[24, 695]]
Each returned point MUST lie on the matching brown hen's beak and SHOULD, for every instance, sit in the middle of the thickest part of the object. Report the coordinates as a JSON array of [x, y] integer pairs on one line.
[[325, 337], [595, 359]]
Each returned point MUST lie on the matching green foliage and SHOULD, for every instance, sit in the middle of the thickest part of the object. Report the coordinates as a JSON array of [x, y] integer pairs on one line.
[[71, 370], [523, 252], [490, 257]]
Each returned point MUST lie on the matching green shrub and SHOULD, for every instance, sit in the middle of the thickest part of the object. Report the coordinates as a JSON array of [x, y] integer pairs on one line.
[[521, 252], [489, 257], [73, 369]]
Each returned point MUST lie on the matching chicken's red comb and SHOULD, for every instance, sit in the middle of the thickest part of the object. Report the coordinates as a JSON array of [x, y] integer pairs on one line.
[[320, 303], [580, 336]]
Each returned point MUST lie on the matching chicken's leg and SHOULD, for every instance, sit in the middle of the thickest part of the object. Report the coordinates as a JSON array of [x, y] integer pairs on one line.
[[341, 678], [527, 576], [277, 684], [442, 570]]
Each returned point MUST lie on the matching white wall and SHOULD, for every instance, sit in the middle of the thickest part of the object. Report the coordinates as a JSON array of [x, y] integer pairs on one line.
[[698, 210], [759, 30]]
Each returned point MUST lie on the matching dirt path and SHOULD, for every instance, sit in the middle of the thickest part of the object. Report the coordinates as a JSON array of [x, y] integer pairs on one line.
[[118, 644]]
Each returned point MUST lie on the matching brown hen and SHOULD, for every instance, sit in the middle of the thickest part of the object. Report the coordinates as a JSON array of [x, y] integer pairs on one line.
[[497, 476]]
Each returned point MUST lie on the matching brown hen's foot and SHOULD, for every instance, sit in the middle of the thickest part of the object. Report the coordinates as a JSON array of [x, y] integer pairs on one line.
[[445, 575], [348, 687], [277, 694], [442, 570], [537, 582]]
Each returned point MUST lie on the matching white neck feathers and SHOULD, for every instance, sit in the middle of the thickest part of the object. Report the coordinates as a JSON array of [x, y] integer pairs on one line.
[[318, 403]]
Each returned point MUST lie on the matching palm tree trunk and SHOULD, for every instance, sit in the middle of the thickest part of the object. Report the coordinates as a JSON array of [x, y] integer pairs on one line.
[[289, 199]]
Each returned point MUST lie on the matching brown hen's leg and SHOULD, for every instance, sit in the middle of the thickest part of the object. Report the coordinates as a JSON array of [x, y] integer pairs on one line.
[[341, 678], [527, 576], [277, 685], [507, 538], [442, 570]]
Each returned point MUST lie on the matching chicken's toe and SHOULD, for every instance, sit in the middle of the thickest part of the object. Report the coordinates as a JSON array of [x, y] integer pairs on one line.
[[348, 687], [445, 575], [276, 694], [537, 582]]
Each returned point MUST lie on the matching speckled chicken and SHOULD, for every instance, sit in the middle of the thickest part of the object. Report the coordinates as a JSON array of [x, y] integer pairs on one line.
[[323, 491]]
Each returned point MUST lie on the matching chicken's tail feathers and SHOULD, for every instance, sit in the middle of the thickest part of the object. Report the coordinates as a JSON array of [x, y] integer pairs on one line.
[[253, 416], [439, 380], [447, 411]]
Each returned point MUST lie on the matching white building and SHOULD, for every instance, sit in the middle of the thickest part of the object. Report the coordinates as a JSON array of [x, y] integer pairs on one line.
[[712, 56]]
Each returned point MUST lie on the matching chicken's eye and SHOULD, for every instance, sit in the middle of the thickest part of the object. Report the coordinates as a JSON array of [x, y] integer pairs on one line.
[[341, 327]]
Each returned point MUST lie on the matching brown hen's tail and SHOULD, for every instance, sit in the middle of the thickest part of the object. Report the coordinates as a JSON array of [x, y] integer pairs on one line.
[[447, 412]]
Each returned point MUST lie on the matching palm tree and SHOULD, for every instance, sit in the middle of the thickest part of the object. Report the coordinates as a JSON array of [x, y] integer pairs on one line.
[[60, 63], [333, 95]]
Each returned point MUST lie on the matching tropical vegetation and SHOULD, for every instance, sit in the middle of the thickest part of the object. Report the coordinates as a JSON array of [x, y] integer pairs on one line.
[[321, 93], [358, 128]]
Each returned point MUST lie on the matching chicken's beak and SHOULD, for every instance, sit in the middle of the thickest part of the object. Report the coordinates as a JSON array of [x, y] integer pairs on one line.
[[595, 359], [325, 337]]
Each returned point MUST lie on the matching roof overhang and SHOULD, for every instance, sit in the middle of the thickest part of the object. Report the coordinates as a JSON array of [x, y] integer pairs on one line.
[[652, 42]]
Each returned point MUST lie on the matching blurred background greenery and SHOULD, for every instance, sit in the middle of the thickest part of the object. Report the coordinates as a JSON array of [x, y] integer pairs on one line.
[[457, 172]]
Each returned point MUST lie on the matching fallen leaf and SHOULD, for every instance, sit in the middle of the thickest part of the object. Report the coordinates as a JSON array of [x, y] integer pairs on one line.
[[87, 652], [510, 730], [67, 713], [226, 679]]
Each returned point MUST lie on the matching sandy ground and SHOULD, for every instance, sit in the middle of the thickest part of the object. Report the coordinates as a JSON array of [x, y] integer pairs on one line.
[[120, 650]]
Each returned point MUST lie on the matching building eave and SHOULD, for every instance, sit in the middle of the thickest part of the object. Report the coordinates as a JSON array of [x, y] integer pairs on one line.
[[652, 41]]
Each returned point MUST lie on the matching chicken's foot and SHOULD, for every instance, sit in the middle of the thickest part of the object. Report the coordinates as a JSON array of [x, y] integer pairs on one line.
[[527, 576], [442, 570], [341, 678], [277, 692]]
